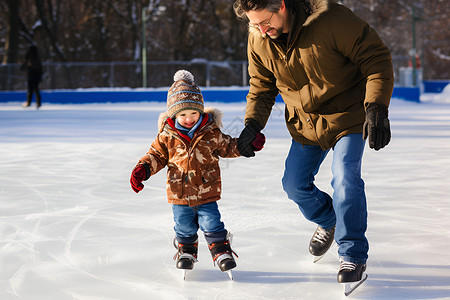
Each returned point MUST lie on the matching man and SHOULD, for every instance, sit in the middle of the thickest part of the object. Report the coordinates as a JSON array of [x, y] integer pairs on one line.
[[335, 76]]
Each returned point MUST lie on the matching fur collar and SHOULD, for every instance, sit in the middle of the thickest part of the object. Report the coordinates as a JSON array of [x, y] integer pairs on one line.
[[318, 7], [214, 112]]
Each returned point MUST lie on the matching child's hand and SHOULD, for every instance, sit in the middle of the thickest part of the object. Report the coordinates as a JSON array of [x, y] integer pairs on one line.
[[258, 142], [139, 174]]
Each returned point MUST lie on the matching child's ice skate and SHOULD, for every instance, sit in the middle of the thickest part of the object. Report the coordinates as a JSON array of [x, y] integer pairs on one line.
[[222, 256], [186, 256]]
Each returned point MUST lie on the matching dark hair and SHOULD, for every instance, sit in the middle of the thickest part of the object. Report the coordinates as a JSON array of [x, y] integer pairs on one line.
[[241, 7]]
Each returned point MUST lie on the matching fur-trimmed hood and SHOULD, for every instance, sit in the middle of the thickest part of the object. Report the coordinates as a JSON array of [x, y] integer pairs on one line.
[[215, 113], [318, 7]]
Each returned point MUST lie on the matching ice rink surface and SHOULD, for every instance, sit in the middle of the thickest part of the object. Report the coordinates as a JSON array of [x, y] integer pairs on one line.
[[72, 228]]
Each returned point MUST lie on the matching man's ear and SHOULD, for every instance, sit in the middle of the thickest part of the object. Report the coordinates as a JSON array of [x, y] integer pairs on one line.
[[283, 6]]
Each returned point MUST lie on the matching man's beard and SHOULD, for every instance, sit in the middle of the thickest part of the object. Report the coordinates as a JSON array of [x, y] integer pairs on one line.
[[273, 36]]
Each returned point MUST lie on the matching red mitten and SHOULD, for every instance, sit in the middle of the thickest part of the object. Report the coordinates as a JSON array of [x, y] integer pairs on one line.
[[258, 142], [139, 174]]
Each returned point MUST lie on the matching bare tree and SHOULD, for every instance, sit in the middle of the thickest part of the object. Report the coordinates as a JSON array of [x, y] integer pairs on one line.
[[50, 18], [12, 35], [111, 30]]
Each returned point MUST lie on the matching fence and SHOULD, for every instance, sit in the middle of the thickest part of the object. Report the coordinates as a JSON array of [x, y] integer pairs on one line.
[[73, 75], [126, 74]]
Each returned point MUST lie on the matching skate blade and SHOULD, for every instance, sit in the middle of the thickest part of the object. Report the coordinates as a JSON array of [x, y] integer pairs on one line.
[[350, 287], [184, 273], [317, 258], [230, 275]]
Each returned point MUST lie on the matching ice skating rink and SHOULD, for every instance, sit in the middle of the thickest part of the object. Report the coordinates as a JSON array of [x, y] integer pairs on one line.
[[72, 228]]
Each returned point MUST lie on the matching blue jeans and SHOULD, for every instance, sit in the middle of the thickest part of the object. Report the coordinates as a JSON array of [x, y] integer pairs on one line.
[[347, 210], [206, 217]]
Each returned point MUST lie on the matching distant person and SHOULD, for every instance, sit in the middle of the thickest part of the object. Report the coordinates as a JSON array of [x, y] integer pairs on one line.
[[335, 75], [189, 143], [33, 66]]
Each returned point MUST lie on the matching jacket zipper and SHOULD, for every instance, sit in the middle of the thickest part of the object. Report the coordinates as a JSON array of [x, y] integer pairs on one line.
[[183, 176], [295, 82]]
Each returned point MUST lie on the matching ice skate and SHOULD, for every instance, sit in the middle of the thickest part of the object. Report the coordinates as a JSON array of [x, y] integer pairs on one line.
[[38, 101], [222, 256], [351, 275], [185, 257], [320, 242]]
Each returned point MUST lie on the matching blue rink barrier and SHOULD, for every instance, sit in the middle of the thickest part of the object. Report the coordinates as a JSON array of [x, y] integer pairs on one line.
[[435, 86], [113, 96], [138, 95], [407, 93]]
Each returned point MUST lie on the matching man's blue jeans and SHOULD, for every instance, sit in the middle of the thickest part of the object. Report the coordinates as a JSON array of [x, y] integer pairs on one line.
[[347, 210], [206, 217]]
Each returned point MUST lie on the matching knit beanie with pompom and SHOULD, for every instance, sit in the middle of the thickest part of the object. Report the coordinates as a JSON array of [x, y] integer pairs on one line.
[[184, 94]]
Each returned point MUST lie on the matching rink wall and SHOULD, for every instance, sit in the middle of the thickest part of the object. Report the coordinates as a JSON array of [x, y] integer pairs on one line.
[[121, 96], [84, 96], [407, 93], [434, 86]]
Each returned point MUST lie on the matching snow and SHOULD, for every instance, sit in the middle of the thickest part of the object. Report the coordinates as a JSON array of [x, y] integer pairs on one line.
[[72, 228], [443, 97]]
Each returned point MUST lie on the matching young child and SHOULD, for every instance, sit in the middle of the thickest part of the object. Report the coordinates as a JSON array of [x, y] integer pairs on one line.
[[190, 143]]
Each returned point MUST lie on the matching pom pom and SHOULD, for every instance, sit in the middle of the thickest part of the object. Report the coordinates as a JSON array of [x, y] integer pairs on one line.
[[184, 75]]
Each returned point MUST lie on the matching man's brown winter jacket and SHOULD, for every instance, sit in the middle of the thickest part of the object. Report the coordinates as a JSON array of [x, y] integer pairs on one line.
[[333, 66], [193, 174]]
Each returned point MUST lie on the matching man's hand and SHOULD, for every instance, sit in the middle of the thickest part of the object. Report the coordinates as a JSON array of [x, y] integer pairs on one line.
[[376, 127], [247, 136]]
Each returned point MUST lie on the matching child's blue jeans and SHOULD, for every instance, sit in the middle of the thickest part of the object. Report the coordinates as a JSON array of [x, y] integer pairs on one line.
[[206, 217], [347, 209]]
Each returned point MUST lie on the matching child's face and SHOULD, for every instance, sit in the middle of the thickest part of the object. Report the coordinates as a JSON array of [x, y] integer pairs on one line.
[[188, 118]]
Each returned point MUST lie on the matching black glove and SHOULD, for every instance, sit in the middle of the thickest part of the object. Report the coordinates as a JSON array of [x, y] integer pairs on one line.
[[248, 134], [376, 126]]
